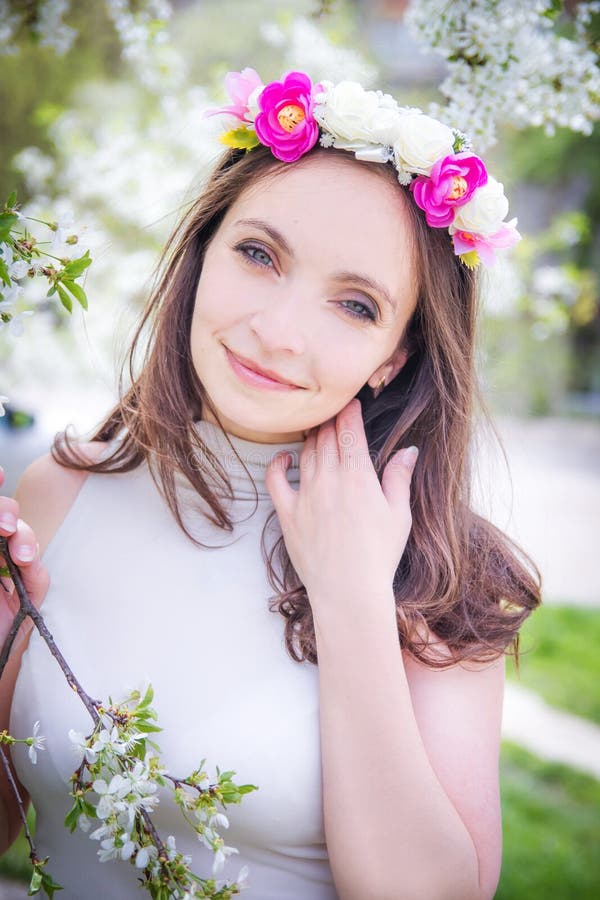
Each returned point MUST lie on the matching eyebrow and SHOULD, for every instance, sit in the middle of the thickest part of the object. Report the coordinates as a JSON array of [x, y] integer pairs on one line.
[[365, 280]]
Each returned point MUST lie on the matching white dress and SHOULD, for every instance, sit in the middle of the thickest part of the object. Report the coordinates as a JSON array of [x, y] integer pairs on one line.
[[132, 601]]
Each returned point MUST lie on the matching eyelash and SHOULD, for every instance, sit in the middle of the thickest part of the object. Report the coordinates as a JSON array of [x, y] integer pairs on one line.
[[243, 249]]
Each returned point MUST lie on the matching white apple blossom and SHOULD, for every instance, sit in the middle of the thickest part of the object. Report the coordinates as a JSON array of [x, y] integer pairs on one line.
[[80, 745], [36, 742], [508, 63]]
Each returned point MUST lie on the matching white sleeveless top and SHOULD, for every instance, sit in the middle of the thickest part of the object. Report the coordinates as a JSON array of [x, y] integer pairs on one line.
[[132, 601]]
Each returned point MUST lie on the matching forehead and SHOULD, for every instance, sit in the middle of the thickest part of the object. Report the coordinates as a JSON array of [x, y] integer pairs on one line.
[[339, 214]]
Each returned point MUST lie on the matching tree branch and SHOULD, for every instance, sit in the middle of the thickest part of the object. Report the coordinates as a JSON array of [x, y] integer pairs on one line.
[[27, 609], [32, 850]]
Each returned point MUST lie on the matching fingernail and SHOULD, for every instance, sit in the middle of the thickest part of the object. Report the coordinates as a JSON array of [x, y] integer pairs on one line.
[[8, 522], [409, 457], [25, 553]]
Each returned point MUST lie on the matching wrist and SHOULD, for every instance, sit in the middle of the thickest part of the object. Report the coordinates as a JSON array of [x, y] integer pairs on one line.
[[356, 605]]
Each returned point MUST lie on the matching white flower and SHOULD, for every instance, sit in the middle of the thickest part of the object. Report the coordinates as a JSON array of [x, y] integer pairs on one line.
[[100, 833], [15, 326], [220, 856], [219, 820], [127, 849], [107, 739], [84, 822], [80, 744], [18, 269], [3, 400], [242, 878], [145, 856], [108, 850], [485, 211], [37, 740], [420, 142], [354, 115], [110, 795]]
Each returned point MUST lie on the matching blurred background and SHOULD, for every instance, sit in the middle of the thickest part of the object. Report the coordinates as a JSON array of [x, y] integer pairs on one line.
[[102, 133]]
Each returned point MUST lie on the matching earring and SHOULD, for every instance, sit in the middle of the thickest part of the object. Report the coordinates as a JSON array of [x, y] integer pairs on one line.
[[379, 387]]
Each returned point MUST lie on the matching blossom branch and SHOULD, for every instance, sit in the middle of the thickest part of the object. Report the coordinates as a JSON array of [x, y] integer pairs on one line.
[[28, 610], [18, 620], [19, 799]]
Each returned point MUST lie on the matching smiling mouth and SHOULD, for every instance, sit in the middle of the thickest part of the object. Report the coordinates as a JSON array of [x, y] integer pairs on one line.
[[245, 369]]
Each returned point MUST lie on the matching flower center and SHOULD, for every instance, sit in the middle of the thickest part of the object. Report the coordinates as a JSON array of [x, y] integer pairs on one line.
[[459, 188], [290, 116]]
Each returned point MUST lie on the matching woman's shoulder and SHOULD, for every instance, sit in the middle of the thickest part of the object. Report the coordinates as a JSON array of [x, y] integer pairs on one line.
[[47, 490]]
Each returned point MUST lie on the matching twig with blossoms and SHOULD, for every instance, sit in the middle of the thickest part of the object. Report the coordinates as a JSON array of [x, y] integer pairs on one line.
[[117, 784], [23, 255], [121, 772], [511, 61]]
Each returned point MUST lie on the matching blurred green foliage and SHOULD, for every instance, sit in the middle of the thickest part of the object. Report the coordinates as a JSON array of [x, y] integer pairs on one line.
[[567, 166], [560, 658], [36, 85], [551, 830], [15, 864]]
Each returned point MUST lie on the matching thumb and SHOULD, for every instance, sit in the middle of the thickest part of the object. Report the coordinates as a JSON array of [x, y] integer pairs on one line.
[[282, 493], [397, 475], [25, 553]]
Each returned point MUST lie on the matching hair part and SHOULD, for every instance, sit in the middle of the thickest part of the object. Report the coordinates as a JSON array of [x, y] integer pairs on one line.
[[460, 579]]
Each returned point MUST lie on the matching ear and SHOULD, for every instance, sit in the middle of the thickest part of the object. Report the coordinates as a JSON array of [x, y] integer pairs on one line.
[[390, 368]]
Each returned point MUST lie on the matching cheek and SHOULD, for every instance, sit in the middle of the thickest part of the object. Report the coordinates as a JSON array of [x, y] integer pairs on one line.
[[216, 302]]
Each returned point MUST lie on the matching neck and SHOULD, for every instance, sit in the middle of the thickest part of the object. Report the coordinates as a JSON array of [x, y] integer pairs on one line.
[[248, 434]]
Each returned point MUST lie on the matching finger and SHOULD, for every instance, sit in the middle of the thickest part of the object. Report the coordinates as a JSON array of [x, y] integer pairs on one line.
[[9, 514], [282, 493], [351, 436], [327, 451], [25, 553], [397, 476], [308, 457]]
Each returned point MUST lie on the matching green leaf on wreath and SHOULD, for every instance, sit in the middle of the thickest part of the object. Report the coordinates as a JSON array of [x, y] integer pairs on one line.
[[241, 138]]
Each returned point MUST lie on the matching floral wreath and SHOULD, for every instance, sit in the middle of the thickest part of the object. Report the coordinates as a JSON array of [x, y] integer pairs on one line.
[[434, 161]]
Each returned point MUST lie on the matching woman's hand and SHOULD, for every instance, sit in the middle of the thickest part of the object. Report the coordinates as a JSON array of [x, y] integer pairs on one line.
[[342, 528], [24, 551]]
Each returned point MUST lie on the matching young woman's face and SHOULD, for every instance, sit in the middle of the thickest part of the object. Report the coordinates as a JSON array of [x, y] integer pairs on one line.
[[310, 276]]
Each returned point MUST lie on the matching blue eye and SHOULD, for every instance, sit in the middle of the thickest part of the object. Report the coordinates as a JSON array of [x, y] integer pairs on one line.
[[367, 315], [246, 251]]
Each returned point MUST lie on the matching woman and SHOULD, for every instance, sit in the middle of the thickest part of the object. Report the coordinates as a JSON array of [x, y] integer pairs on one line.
[[314, 325]]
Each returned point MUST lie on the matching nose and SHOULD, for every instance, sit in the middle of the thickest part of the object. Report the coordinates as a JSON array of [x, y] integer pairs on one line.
[[280, 325]]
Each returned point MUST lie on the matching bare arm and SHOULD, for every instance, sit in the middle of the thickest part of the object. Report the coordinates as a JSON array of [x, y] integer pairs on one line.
[[410, 765]]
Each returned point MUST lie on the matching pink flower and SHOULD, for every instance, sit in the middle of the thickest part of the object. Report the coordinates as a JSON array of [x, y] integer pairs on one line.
[[452, 182], [285, 122], [239, 85], [484, 247]]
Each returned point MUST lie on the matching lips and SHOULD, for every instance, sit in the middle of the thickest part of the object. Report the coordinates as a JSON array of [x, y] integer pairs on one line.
[[268, 373]]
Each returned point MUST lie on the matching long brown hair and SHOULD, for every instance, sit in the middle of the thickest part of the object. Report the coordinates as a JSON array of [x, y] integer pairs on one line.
[[460, 578]]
